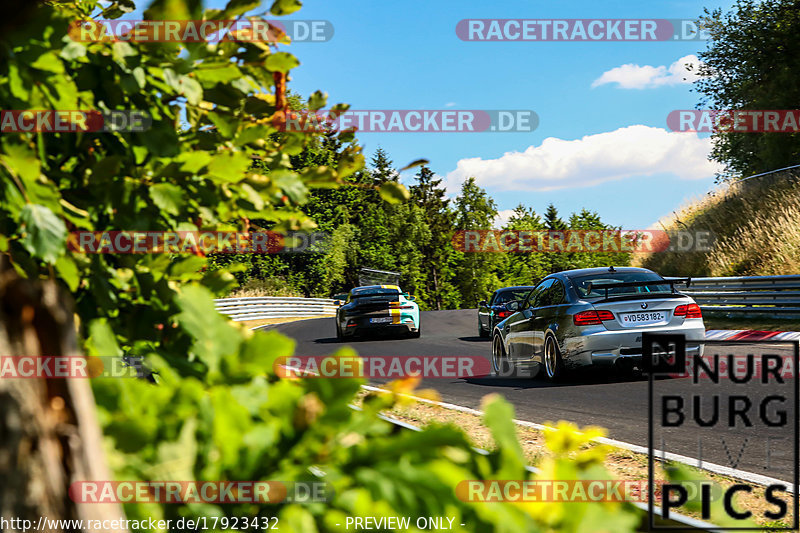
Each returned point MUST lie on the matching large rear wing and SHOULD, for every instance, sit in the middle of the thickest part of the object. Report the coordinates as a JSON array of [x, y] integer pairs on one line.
[[371, 276], [605, 286]]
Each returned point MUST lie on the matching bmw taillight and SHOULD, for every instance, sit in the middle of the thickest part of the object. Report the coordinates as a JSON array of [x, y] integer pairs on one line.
[[689, 311], [503, 314], [591, 317]]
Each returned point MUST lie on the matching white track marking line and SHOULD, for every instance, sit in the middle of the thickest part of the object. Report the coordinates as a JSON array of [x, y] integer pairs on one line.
[[690, 461]]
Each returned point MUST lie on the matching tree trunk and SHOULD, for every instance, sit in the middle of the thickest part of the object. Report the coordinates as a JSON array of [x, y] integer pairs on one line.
[[49, 434]]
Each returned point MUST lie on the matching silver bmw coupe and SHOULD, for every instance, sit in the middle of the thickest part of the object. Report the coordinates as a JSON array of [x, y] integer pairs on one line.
[[593, 316]]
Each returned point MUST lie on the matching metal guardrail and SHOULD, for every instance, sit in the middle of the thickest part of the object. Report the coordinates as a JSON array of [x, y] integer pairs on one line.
[[768, 296], [261, 307], [765, 296]]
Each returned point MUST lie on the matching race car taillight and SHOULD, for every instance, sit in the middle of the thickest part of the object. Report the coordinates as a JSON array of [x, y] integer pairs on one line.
[[689, 311], [503, 314], [592, 317]]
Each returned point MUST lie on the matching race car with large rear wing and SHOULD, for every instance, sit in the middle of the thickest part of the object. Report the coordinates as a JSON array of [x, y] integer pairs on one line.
[[375, 308]]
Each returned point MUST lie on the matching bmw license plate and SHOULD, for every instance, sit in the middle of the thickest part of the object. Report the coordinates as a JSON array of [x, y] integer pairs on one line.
[[636, 319], [380, 320]]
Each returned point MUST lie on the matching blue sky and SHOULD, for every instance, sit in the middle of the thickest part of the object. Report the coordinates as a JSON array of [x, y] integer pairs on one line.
[[620, 159]]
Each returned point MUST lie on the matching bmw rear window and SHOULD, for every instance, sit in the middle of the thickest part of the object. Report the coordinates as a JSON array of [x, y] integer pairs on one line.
[[599, 282]]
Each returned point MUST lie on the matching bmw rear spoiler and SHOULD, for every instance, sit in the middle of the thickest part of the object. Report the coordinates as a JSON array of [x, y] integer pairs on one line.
[[671, 281]]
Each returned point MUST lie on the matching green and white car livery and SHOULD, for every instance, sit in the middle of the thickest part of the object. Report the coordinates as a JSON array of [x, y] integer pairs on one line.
[[377, 307]]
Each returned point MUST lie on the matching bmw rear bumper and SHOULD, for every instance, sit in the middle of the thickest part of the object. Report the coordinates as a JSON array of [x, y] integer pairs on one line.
[[607, 348]]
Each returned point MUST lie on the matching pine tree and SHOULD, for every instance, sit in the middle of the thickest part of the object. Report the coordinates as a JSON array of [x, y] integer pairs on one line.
[[476, 272], [551, 219], [429, 195], [382, 168]]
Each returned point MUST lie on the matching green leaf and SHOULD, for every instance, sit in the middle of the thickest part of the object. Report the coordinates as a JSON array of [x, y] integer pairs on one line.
[[236, 7], [213, 336], [250, 134], [216, 73], [22, 160], [498, 415], [16, 83], [415, 163], [73, 50], [174, 10], [184, 85], [285, 7], [229, 166], [394, 192], [281, 62], [317, 100], [192, 90], [121, 50], [68, 271], [49, 62], [291, 184], [167, 197], [139, 76], [176, 459], [188, 267], [101, 341], [45, 235], [350, 161], [226, 125], [252, 196], [192, 162]]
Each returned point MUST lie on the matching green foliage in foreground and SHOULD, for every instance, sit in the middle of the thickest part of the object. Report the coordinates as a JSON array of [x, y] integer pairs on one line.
[[244, 424]]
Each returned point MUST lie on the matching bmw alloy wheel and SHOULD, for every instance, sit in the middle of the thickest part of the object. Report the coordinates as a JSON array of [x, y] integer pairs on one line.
[[498, 354]]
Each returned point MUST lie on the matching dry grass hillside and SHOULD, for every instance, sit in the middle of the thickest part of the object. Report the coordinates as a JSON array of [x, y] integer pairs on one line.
[[756, 224]]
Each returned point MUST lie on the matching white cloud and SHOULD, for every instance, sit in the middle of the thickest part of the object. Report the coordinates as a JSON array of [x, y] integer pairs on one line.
[[632, 76], [449, 104], [501, 219], [623, 153]]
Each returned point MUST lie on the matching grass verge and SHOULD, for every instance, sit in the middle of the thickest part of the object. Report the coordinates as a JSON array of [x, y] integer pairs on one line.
[[622, 465], [756, 229]]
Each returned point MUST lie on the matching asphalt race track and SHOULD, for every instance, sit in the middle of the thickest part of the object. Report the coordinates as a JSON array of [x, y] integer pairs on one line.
[[602, 398]]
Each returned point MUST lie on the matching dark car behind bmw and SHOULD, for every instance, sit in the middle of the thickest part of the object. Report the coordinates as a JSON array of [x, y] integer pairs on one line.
[[493, 311]]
